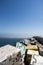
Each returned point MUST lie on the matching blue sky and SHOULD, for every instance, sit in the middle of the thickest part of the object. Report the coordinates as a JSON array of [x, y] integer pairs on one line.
[[21, 18]]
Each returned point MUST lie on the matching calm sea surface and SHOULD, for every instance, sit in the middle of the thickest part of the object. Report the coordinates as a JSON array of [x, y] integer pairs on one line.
[[12, 41]]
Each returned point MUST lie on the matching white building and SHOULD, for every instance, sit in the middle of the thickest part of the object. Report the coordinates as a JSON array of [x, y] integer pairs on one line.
[[37, 60], [27, 42], [10, 55]]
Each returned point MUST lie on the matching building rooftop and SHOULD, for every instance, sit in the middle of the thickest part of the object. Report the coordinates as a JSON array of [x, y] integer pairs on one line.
[[33, 47], [6, 51]]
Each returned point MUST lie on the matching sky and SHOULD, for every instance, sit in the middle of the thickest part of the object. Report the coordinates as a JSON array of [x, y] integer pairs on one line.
[[21, 18]]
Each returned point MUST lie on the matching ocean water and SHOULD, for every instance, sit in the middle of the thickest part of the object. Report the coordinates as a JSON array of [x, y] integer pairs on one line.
[[12, 41]]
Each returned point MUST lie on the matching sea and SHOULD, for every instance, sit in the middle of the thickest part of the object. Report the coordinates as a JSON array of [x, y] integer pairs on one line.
[[11, 41]]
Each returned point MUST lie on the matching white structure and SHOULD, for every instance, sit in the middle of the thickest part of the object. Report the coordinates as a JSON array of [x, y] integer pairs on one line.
[[27, 42], [9, 55], [37, 60]]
